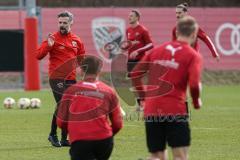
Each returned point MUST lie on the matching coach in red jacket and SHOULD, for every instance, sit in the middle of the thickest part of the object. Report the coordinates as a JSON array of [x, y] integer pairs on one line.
[[171, 68], [90, 111], [63, 49]]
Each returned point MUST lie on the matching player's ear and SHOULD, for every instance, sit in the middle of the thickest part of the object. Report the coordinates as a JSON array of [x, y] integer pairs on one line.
[[193, 38]]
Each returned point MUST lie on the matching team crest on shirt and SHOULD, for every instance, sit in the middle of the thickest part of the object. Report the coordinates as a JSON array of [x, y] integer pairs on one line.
[[74, 43], [107, 33]]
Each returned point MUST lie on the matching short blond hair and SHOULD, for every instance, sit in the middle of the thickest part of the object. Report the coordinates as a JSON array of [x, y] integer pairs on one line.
[[186, 26]]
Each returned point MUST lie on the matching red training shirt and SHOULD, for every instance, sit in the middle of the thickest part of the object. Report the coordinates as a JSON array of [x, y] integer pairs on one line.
[[62, 55], [171, 67], [140, 35], [89, 111]]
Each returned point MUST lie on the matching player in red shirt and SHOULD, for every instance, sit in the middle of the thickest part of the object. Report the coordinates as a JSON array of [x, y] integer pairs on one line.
[[91, 113], [140, 41], [63, 48], [171, 67], [181, 11]]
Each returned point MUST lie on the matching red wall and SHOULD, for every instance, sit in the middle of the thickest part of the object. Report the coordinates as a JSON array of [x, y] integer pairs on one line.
[[159, 21], [11, 19]]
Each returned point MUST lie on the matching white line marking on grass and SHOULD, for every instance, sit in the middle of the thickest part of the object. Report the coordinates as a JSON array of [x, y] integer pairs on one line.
[[206, 128], [133, 125]]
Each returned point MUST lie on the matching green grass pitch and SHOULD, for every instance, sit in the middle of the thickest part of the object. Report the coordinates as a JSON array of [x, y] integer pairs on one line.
[[215, 129]]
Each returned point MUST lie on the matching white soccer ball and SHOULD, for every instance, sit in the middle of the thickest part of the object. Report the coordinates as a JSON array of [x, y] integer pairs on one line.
[[24, 103], [35, 103], [8, 103]]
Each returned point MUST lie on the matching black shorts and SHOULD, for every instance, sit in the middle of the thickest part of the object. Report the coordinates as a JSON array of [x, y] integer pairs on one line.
[[160, 133], [58, 87], [131, 64], [91, 150]]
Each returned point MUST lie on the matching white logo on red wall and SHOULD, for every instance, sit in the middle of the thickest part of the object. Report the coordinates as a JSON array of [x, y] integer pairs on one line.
[[107, 30], [227, 39]]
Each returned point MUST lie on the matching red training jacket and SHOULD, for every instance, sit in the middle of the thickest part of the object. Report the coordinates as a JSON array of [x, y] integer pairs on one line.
[[62, 55]]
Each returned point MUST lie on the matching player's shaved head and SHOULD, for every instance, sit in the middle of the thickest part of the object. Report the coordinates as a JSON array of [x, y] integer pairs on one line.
[[186, 26], [91, 65]]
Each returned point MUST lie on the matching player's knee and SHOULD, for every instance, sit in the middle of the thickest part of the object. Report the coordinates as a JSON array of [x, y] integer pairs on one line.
[[158, 156], [153, 158], [180, 153], [179, 157]]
